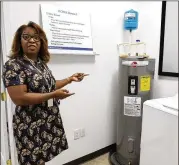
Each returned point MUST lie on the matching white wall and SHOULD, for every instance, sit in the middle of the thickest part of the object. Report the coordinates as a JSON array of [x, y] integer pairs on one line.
[[149, 25], [4, 135], [95, 103]]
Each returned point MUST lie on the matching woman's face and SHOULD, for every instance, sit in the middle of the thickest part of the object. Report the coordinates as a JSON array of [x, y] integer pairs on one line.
[[30, 41]]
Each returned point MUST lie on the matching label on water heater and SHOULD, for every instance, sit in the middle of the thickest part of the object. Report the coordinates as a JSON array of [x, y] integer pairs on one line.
[[145, 83], [132, 106], [132, 85]]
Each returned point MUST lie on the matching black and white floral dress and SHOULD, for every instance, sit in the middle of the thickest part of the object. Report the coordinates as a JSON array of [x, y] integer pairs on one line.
[[38, 129]]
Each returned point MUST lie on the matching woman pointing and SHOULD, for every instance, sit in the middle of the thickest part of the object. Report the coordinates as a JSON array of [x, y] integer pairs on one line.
[[37, 123]]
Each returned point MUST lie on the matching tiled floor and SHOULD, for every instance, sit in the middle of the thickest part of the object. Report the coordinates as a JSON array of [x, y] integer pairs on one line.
[[102, 160]]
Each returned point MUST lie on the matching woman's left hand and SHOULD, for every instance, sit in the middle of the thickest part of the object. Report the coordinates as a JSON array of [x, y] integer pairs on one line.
[[77, 77]]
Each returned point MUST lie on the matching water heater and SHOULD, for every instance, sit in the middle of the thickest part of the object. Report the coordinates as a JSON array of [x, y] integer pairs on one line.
[[135, 84]]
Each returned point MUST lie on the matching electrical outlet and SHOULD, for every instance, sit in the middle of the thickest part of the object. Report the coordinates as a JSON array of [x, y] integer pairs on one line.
[[77, 134], [82, 132]]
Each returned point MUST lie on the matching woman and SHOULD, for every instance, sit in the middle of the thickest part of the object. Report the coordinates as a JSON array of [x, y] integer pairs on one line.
[[37, 124]]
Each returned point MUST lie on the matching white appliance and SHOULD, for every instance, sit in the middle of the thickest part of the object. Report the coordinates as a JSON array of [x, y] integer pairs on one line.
[[159, 139]]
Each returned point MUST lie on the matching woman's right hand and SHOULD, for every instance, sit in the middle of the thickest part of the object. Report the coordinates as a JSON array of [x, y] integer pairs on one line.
[[62, 94]]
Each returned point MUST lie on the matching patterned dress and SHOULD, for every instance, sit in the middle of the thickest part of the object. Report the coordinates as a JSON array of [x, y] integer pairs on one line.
[[38, 129]]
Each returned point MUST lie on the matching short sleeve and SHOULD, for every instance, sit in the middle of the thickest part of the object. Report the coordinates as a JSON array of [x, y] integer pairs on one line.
[[13, 74]]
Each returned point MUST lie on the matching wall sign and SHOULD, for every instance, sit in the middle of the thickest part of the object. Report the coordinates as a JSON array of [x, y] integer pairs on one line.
[[68, 31]]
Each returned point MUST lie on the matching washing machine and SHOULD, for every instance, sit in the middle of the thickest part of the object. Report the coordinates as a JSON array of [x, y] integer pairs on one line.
[[159, 138]]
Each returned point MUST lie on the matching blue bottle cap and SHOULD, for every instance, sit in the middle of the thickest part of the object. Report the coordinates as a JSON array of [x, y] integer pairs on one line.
[[137, 40]]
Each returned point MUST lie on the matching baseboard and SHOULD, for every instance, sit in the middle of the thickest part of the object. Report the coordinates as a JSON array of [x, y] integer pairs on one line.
[[92, 155]]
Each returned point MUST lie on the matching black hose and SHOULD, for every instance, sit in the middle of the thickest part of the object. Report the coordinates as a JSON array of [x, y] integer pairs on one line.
[[112, 158]]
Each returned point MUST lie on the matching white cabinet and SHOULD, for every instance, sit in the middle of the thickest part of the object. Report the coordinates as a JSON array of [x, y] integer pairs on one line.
[[159, 140]]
